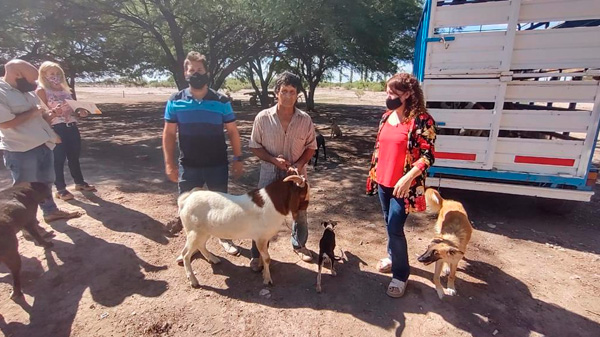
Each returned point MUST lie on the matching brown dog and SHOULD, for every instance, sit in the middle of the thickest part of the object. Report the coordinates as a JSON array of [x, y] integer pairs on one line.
[[452, 234], [18, 208]]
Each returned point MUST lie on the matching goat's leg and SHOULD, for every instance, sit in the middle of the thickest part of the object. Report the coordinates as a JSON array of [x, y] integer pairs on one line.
[[263, 248], [190, 248], [202, 247]]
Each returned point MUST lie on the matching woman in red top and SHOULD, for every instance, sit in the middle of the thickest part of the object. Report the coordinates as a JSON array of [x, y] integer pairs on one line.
[[403, 152]]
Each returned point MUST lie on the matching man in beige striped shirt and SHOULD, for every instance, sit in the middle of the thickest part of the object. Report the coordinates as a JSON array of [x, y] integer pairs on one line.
[[283, 137]]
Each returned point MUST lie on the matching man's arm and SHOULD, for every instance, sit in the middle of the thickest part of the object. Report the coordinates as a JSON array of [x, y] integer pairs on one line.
[[236, 146], [261, 153], [168, 142], [21, 118], [304, 158], [234, 138]]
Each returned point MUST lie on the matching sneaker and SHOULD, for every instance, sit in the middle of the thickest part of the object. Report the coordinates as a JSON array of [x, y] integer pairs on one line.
[[64, 195], [256, 264], [85, 187], [396, 288], [60, 214], [304, 254], [229, 247]]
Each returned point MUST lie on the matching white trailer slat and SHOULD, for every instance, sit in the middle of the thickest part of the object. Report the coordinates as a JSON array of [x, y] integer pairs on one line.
[[478, 119], [461, 90], [556, 48], [533, 191], [552, 148], [468, 53], [545, 120], [486, 13], [558, 10], [551, 91], [505, 162]]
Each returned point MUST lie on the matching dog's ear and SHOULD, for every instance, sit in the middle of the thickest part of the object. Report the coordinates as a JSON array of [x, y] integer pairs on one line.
[[333, 223], [324, 223], [453, 251]]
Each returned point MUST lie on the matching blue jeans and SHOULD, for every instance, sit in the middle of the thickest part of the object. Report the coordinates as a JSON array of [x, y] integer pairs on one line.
[[215, 178], [395, 216], [299, 234], [69, 150], [35, 165]]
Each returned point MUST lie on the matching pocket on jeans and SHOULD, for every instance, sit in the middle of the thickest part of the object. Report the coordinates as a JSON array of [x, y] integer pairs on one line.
[[10, 161]]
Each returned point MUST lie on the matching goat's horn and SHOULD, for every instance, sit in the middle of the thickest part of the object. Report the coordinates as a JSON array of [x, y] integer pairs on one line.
[[295, 178]]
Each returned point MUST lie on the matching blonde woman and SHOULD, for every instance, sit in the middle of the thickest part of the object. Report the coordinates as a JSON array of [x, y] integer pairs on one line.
[[53, 91]]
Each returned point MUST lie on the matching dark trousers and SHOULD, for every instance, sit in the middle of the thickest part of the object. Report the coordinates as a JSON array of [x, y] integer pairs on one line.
[[69, 150]]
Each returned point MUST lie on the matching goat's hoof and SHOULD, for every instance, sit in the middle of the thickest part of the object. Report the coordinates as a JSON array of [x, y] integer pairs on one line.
[[195, 285], [319, 289], [48, 245], [450, 292], [333, 273], [440, 294], [268, 282], [215, 260]]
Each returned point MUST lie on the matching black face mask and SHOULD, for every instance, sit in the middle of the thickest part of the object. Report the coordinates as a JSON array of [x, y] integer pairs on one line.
[[198, 81], [24, 86], [393, 104]]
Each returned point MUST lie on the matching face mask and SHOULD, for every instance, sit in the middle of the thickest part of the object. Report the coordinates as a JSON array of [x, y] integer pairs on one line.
[[393, 103], [24, 86], [198, 81], [56, 80]]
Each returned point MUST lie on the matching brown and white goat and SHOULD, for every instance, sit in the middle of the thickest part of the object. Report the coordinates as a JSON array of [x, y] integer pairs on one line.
[[256, 215]]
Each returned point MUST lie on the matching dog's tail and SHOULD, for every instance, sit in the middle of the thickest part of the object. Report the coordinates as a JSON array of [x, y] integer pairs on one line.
[[434, 200]]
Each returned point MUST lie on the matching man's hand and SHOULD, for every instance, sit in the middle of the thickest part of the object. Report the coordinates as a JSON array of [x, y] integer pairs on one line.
[[172, 172], [238, 168], [281, 163]]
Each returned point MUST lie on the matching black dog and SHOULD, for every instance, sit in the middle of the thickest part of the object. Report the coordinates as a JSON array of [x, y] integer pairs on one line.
[[326, 247], [18, 208], [320, 143]]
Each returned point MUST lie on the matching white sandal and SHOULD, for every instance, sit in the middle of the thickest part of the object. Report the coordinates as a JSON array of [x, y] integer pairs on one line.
[[396, 288], [384, 266]]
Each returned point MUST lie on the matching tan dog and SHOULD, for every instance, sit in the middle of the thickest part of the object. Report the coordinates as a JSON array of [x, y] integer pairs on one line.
[[452, 234], [335, 129]]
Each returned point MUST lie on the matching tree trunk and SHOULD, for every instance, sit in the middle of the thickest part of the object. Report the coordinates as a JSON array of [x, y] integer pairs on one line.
[[264, 95], [179, 75], [71, 83], [310, 99]]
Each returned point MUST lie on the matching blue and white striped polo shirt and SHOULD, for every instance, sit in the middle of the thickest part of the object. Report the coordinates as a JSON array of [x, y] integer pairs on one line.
[[200, 125]]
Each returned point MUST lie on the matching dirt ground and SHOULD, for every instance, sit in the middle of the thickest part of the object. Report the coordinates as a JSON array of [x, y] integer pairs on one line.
[[112, 272]]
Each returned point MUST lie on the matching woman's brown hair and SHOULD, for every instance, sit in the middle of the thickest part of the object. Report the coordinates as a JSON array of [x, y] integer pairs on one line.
[[415, 103]]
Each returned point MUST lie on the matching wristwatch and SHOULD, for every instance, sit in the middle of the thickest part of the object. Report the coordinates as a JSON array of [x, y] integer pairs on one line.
[[237, 158]]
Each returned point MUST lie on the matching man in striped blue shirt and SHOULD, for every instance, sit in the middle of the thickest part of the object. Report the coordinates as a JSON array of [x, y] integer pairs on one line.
[[198, 114]]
